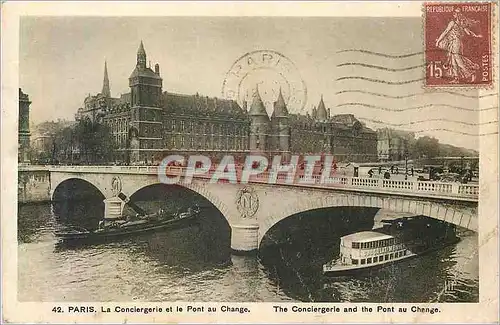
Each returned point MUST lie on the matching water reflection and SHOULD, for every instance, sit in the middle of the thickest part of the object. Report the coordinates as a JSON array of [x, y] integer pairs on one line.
[[195, 264]]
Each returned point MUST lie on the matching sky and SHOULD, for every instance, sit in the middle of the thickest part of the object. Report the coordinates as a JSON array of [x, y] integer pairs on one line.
[[62, 61]]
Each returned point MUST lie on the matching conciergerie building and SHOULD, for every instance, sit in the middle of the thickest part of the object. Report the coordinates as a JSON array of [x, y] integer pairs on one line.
[[149, 123]]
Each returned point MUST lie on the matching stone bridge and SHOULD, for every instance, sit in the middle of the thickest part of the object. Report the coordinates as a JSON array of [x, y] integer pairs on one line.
[[252, 209]]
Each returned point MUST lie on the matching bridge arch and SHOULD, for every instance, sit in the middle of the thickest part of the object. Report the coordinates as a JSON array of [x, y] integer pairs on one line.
[[69, 185], [195, 188], [459, 216]]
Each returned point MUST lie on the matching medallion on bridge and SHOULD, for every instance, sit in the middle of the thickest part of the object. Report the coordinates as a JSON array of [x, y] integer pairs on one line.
[[116, 186], [247, 202]]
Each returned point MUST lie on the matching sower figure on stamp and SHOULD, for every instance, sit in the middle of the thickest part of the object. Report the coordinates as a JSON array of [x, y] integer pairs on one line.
[[457, 66]]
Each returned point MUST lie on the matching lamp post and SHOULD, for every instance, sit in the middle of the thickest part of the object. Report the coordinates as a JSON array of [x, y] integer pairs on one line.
[[406, 159], [406, 166]]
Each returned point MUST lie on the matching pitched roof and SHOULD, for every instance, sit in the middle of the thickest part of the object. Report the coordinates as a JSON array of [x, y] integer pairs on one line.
[[347, 119], [144, 72], [183, 103]]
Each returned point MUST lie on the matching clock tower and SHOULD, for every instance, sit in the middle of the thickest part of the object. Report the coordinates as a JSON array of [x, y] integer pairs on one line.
[[146, 111]]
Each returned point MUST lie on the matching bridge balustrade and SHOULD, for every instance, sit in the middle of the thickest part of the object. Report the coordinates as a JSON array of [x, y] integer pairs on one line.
[[398, 184], [466, 189], [434, 187], [365, 182], [339, 180], [429, 187]]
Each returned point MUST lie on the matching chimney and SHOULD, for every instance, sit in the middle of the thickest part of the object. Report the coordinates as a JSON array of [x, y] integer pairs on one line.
[[157, 69]]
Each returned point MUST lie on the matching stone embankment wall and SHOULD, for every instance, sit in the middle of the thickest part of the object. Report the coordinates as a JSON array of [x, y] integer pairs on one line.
[[33, 186]]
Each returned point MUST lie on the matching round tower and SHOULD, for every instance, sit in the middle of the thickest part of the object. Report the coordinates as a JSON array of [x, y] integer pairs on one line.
[[280, 125], [259, 124]]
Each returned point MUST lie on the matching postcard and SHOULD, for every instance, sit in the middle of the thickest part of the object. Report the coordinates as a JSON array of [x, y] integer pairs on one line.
[[250, 162]]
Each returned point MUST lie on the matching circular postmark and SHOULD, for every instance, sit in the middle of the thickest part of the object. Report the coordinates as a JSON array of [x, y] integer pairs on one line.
[[247, 202], [270, 72], [116, 185]]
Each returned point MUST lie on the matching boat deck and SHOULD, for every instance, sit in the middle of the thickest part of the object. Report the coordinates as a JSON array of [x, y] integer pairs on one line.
[[332, 268]]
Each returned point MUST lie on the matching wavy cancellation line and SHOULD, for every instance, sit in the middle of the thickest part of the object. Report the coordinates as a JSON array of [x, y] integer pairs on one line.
[[415, 107], [458, 132], [452, 131], [401, 56], [379, 67], [381, 81], [427, 120], [382, 54], [359, 91]]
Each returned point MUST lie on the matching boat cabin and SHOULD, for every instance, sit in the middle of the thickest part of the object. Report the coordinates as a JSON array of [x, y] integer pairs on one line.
[[368, 247]]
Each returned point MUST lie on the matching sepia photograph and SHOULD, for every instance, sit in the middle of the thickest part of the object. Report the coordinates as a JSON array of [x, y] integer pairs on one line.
[[251, 158]]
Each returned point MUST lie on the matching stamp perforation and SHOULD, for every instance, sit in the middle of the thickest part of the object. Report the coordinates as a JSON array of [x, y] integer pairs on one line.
[[492, 49]]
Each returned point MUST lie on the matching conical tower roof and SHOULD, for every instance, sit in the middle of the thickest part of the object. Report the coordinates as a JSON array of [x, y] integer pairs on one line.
[[257, 107], [141, 69], [280, 109], [141, 56], [321, 112], [105, 84], [140, 50]]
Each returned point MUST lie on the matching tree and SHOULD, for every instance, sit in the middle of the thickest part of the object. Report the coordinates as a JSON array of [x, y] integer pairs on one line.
[[85, 142], [426, 147], [43, 139]]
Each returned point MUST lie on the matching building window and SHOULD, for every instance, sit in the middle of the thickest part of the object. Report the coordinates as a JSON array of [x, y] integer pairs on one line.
[[375, 259], [368, 260], [355, 245], [354, 261], [363, 261]]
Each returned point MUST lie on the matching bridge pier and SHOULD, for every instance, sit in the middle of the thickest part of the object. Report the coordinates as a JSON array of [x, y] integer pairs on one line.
[[113, 208], [244, 238]]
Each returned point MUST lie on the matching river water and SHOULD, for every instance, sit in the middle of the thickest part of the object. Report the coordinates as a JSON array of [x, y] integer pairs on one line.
[[196, 264]]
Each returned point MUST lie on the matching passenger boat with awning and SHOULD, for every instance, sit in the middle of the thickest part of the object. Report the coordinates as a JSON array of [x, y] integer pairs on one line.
[[396, 241]]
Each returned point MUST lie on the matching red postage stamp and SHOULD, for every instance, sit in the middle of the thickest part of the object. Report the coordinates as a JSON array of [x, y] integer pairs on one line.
[[458, 44]]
